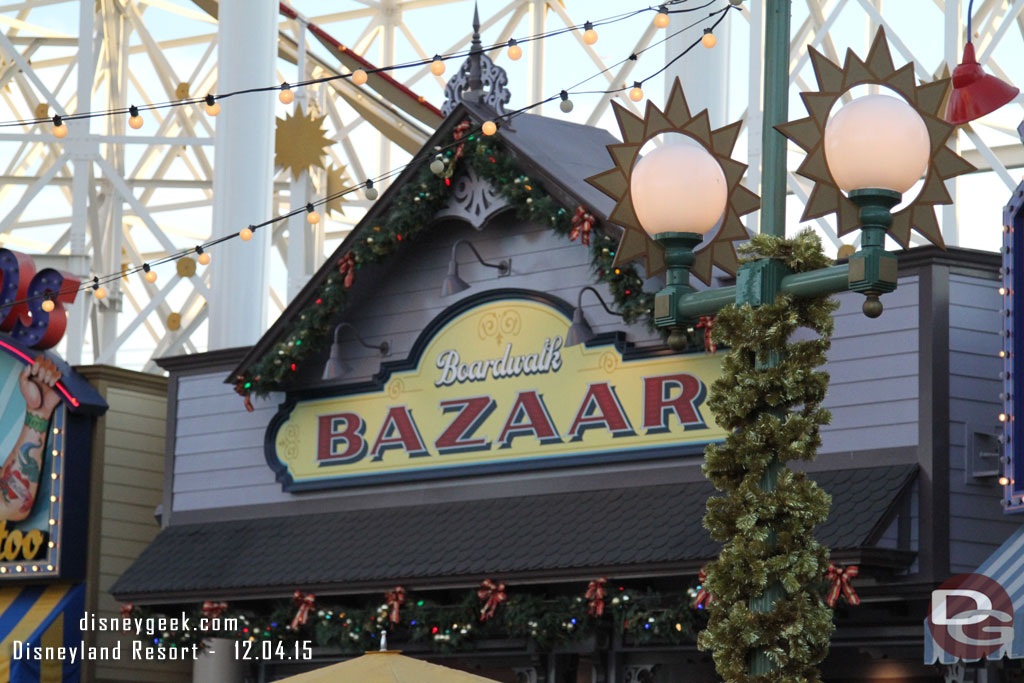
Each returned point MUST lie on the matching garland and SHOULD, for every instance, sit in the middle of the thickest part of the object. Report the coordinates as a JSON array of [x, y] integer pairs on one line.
[[769, 536], [641, 618], [407, 219]]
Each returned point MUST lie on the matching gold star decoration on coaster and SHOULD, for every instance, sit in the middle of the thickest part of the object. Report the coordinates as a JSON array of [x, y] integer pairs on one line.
[[720, 249], [299, 142], [337, 182], [809, 133]]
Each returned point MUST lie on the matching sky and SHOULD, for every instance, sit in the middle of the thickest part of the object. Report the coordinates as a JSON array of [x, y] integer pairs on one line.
[[917, 29]]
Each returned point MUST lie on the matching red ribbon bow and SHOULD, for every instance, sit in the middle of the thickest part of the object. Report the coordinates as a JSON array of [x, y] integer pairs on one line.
[[241, 391], [582, 225], [493, 594], [347, 268], [395, 600], [305, 603], [841, 579], [459, 133], [708, 323], [704, 598], [126, 612], [212, 610], [596, 595]]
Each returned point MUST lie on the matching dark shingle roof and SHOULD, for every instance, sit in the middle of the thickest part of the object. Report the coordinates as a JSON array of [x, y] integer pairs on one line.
[[554, 533]]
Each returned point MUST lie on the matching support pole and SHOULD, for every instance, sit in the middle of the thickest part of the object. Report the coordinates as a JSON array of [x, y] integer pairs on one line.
[[80, 183], [535, 52], [243, 171], [704, 74], [773, 222], [776, 111], [298, 228]]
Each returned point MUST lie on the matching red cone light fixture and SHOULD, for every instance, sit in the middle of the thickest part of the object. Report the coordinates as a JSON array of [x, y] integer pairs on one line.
[[975, 93]]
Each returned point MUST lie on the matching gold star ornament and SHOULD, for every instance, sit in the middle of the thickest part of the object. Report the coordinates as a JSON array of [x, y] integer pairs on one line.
[[720, 249], [299, 142], [927, 99], [337, 182]]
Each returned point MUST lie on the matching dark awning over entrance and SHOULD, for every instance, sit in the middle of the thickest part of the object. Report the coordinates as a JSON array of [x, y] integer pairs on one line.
[[640, 531]]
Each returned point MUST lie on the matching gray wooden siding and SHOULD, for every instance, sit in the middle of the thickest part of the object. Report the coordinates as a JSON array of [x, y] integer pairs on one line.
[[873, 369], [976, 525], [219, 447], [403, 302]]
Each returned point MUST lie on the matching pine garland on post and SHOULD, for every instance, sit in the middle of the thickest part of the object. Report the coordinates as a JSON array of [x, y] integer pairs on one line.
[[769, 536]]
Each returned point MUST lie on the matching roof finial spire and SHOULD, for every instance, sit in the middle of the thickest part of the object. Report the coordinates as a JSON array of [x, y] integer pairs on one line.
[[478, 80], [476, 85]]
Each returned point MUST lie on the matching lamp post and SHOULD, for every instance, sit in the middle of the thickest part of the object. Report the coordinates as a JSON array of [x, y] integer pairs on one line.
[[862, 159]]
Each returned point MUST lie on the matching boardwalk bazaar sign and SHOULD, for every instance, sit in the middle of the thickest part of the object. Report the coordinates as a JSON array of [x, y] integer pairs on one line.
[[492, 387]]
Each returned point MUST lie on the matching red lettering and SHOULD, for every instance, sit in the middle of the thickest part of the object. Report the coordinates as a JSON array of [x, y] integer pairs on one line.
[[340, 439], [601, 408], [398, 431], [659, 402], [529, 416], [471, 413]]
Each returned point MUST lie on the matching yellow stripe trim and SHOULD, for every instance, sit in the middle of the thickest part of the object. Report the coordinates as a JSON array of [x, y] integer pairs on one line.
[[29, 623], [52, 670]]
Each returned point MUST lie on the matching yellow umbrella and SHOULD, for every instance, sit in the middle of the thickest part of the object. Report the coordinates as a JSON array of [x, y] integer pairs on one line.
[[388, 666]]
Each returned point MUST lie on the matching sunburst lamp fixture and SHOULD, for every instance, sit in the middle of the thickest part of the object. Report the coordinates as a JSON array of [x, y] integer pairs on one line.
[[683, 194], [866, 155]]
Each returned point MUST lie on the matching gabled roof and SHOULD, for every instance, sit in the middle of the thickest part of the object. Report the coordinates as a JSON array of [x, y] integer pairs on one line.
[[560, 155], [563, 536]]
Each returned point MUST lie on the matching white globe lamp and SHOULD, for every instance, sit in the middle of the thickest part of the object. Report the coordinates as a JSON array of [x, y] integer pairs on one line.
[[877, 142], [678, 187]]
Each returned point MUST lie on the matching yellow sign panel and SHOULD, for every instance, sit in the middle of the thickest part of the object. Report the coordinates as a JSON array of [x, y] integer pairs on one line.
[[494, 386]]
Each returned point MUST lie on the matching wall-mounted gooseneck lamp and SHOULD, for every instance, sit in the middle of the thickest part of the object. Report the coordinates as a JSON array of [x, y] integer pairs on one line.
[[579, 331], [453, 284], [335, 367]]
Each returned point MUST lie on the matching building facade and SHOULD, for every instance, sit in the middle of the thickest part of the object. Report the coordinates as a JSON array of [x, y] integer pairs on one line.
[[504, 500]]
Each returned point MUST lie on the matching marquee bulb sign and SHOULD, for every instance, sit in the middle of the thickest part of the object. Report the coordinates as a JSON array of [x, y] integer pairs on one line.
[[32, 472], [1013, 346], [491, 386]]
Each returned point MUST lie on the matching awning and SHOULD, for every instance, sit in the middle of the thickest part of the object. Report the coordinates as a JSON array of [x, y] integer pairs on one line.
[[540, 538], [1006, 567], [40, 616]]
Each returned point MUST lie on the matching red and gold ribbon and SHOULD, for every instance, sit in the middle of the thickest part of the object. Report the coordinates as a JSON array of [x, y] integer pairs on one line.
[[305, 603], [596, 594], [841, 580], [126, 613], [212, 610], [347, 268], [458, 134], [704, 598], [708, 323], [582, 225], [395, 600], [493, 594], [240, 390]]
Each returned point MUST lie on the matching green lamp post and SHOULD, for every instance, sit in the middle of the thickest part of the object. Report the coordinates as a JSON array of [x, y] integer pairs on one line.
[[876, 148], [862, 159]]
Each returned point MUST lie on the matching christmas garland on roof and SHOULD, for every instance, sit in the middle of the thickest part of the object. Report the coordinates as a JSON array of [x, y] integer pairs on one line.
[[639, 617], [768, 537], [407, 219]]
